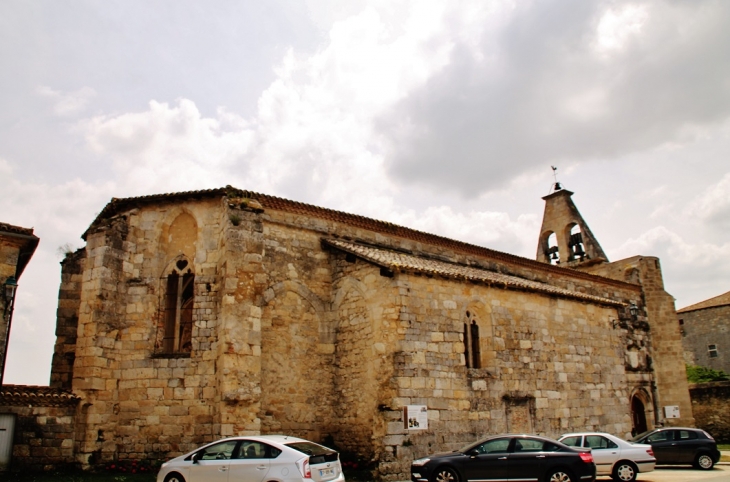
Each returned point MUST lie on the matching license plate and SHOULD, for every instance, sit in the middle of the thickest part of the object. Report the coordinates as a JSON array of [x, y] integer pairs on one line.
[[324, 472]]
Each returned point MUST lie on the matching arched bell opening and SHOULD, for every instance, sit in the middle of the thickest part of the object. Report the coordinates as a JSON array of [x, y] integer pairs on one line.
[[576, 247], [550, 248]]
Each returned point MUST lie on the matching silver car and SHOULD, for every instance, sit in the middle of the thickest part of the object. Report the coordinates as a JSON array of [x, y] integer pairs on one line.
[[613, 456], [253, 459]]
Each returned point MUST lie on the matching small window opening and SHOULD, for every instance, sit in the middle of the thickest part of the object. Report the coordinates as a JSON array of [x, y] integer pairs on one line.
[[472, 353], [712, 351]]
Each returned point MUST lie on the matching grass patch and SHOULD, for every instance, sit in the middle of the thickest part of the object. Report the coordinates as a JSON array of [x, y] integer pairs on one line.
[[723, 447]]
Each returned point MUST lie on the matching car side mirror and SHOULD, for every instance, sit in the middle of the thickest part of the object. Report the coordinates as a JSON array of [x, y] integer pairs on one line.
[[473, 453], [196, 457]]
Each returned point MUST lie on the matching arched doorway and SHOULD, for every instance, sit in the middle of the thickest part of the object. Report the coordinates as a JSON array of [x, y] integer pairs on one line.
[[638, 416]]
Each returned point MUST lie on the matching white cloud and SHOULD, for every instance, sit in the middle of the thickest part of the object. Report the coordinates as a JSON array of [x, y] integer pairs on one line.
[[66, 104], [168, 147], [693, 271], [713, 206], [616, 27]]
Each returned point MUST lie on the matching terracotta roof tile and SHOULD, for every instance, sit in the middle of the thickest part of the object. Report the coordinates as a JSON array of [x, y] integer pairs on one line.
[[721, 300], [398, 261], [25, 395], [9, 228], [119, 205]]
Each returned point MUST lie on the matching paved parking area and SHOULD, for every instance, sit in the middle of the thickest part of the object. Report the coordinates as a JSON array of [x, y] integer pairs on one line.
[[721, 473]]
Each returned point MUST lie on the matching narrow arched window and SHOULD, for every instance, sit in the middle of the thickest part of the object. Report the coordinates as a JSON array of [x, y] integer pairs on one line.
[[178, 316], [472, 352]]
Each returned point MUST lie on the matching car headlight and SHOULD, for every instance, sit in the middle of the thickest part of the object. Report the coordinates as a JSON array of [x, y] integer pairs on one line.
[[420, 462]]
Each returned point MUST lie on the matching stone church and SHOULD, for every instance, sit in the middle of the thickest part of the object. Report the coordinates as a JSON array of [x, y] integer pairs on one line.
[[198, 315]]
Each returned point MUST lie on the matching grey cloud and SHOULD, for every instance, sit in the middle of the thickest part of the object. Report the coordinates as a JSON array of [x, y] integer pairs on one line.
[[476, 125]]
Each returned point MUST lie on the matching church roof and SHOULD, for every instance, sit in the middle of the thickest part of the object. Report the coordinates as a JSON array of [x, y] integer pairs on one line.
[[404, 262], [120, 205], [9, 228], [25, 240], [37, 396], [721, 300]]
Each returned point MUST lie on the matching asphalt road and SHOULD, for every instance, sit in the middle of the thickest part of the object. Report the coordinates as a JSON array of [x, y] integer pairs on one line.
[[720, 473]]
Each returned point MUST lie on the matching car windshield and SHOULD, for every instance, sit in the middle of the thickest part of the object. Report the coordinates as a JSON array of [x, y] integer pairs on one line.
[[309, 448], [640, 436]]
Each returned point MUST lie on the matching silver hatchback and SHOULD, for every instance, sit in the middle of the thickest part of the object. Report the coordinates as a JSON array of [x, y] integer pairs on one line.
[[254, 459], [613, 456]]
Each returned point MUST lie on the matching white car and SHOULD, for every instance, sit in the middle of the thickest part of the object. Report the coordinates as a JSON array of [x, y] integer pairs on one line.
[[613, 456], [259, 458]]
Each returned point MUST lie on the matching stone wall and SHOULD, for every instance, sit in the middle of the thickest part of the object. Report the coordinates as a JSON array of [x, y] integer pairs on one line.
[[139, 400], [45, 429], [704, 327], [711, 404], [658, 312], [550, 366], [67, 319]]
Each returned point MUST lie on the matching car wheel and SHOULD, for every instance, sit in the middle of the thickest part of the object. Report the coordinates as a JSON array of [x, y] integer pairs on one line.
[[560, 476], [624, 472], [174, 477], [445, 474], [704, 462]]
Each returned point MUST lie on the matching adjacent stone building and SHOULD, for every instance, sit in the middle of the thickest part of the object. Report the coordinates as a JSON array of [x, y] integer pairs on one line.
[[36, 423], [17, 246], [197, 315], [705, 329]]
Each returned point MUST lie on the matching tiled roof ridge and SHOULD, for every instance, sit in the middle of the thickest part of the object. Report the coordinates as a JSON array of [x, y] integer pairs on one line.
[[117, 205], [400, 261], [9, 228], [36, 395], [714, 302]]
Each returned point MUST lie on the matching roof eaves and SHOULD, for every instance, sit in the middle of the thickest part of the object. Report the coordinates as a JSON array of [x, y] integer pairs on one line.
[[504, 281]]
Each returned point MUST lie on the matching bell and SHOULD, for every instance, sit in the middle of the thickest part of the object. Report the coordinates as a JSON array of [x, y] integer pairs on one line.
[[579, 250], [554, 256]]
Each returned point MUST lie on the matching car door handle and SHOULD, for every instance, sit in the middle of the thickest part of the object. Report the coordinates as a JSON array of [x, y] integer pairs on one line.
[[502, 458], [222, 469], [260, 467], [540, 456]]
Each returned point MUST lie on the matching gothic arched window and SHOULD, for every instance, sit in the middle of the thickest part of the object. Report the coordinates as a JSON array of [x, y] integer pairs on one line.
[[178, 314]]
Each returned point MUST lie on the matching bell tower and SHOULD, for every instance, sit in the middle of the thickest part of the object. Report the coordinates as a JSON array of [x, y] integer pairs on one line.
[[565, 238]]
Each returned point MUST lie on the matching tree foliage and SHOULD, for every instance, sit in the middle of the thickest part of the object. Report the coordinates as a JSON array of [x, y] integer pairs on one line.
[[698, 374]]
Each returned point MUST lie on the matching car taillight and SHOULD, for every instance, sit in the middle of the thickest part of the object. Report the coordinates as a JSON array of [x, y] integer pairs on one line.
[[650, 452], [586, 457], [303, 466]]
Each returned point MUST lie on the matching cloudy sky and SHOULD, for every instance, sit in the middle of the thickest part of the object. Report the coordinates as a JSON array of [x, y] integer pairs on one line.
[[444, 116]]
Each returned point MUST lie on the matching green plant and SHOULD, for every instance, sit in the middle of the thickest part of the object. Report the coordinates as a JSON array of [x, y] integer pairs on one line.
[[235, 219], [698, 374]]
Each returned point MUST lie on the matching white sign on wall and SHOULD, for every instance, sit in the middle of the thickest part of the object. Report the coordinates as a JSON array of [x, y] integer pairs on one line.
[[415, 417], [671, 411]]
